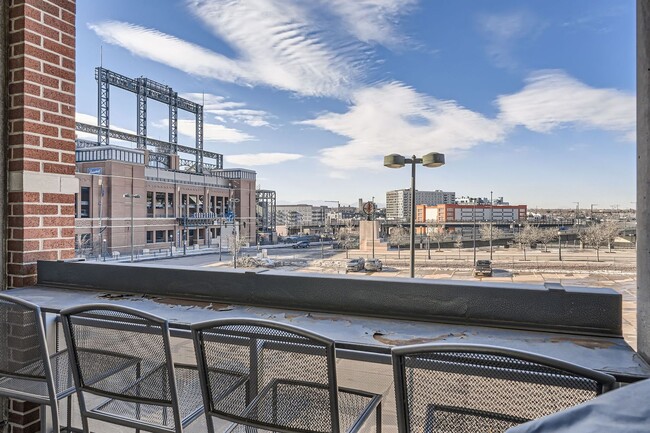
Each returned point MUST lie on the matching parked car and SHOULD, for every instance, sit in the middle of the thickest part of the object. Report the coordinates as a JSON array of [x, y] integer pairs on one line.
[[301, 244], [483, 267], [355, 265], [373, 265]]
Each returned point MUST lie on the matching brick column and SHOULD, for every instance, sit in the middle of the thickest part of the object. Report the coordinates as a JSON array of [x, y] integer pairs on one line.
[[41, 131]]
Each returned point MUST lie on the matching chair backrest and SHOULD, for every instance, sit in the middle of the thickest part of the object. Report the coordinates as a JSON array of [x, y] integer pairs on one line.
[[272, 367], [476, 388], [124, 354], [24, 359]]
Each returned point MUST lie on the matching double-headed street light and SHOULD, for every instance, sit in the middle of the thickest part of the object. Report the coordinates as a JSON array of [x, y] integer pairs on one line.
[[430, 160]]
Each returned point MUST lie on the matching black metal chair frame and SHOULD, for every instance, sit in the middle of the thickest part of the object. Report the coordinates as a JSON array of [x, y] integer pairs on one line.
[[54, 396], [251, 391], [605, 381], [179, 423]]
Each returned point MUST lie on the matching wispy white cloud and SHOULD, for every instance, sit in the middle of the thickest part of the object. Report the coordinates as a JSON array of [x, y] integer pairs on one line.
[[284, 44], [372, 21], [211, 131], [89, 119], [169, 50], [503, 31], [412, 123], [552, 99], [257, 159], [230, 111]]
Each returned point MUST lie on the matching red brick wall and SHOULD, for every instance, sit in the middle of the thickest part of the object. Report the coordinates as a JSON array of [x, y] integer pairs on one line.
[[41, 150]]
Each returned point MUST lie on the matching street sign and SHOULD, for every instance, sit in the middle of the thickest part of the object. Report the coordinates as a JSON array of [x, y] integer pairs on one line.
[[368, 208]]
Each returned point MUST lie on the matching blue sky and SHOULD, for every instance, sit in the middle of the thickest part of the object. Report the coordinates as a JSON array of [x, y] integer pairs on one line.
[[534, 100]]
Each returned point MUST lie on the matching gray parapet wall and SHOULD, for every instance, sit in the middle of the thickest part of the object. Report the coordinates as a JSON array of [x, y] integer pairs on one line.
[[575, 310]]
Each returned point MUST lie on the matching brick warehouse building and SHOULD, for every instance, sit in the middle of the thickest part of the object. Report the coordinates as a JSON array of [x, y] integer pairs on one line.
[[174, 207]]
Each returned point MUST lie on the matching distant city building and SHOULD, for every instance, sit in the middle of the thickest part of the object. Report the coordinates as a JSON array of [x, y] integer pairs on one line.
[[294, 215], [398, 202], [445, 213], [480, 200]]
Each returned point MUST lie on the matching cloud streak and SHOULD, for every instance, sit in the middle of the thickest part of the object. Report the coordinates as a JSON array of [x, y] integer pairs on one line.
[[211, 131], [230, 111], [311, 48], [259, 159], [552, 99], [411, 123], [503, 31]]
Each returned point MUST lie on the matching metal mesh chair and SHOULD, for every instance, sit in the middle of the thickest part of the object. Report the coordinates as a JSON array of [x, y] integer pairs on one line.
[[124, 355], [27, 371], [446, 388], [278, 378]]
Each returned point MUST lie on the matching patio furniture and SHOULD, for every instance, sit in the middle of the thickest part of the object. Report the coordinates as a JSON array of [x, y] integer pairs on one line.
[[27, 371], [276, 377], [124, 355], [477, 388]]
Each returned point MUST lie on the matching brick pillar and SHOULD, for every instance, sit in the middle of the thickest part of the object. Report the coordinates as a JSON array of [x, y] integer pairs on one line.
[[41, 130], [22, 341], [24, 417]]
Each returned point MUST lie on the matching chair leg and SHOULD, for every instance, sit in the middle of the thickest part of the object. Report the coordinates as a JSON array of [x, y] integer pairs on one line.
[[55, 418], [69, 412], [84, 423], [379, 417], [209, 422]]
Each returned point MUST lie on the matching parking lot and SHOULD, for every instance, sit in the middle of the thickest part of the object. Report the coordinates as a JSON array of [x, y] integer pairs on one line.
[[616, 270]]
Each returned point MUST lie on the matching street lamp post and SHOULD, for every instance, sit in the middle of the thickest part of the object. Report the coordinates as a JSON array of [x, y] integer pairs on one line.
[[474, 231], [491, 220], [132, 196], [559, 244], [430, 160]]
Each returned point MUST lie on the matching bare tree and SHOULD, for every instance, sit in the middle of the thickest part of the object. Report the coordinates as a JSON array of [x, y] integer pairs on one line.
[[437, 233], [397, 236], [235, 244], [527, 235], [459, 243], [546, 236], [348, 238], [611, 230], [598, 234], [486, 234]]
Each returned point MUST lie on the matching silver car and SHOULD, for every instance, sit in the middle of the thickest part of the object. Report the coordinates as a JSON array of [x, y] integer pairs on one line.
[[373, 265], [355, 265]]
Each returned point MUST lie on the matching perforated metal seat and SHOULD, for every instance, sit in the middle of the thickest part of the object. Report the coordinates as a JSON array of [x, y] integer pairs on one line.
[[273, 377], [445, 388], [27, 371], [124, 354]]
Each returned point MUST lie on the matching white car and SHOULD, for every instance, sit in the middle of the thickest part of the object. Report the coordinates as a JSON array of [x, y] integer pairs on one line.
[[373, 265]]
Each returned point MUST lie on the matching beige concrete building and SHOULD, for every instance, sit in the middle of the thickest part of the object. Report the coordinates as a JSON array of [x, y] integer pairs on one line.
[[172, 209]]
